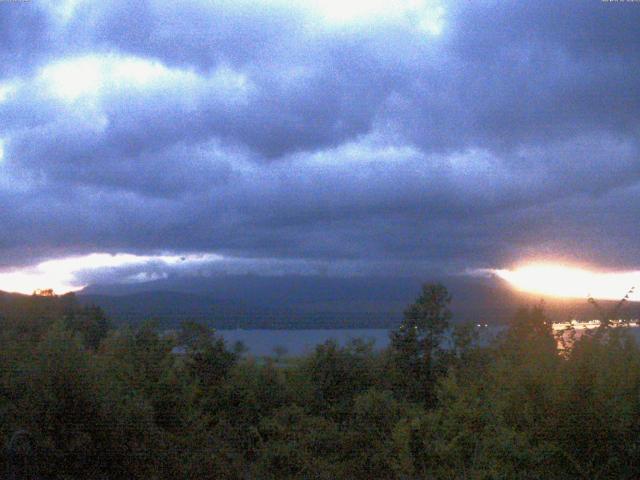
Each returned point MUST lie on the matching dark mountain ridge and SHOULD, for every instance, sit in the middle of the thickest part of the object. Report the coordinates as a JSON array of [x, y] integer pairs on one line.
[[295, 301]]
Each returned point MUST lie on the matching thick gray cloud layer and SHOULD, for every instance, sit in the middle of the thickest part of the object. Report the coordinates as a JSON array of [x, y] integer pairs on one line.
[[268, 132]]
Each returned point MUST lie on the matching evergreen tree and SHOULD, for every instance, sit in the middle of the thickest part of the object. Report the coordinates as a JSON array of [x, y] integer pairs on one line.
[[416, 344]]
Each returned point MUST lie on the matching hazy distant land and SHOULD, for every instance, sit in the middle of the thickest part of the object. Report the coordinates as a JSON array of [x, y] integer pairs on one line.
[[291, 302]]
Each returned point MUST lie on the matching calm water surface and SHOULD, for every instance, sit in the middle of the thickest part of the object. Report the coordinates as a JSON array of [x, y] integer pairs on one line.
[[299, 342]]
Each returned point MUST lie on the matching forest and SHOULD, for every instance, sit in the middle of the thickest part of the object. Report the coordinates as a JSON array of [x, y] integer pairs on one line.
[[80, 399]]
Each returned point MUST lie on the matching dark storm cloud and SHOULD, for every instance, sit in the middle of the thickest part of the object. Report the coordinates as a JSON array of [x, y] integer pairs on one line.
[[263, 132], [500, 75], [23, 36]]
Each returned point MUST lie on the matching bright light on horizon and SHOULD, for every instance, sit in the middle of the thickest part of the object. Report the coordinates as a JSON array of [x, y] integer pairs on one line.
[[66, 275], [571, 282]]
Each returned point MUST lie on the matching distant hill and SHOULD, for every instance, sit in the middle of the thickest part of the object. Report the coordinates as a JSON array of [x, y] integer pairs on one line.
[[171, 308], [251, 301], [294, 301], [28, 308]]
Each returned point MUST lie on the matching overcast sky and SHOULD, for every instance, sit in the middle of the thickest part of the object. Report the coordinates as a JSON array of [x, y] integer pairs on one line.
[[326, 137]]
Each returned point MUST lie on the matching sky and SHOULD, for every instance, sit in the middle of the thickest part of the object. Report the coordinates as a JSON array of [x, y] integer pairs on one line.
[[140, 139]]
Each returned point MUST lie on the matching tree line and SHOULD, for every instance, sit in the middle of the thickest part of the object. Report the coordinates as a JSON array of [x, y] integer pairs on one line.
[[80, 399]]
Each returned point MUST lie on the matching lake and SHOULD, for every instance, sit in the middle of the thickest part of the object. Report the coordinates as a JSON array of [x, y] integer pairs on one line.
[[262, 342], [299, 342]]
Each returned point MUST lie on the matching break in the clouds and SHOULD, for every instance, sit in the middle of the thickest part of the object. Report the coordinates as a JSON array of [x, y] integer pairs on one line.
[[343, 137]]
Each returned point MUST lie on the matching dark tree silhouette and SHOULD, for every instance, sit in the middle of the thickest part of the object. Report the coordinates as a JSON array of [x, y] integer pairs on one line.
[[416, 344]]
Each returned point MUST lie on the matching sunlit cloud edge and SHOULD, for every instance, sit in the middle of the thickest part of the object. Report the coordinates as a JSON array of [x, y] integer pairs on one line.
[[565, 281]]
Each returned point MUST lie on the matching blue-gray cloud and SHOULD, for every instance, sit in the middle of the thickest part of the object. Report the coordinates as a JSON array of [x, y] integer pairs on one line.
[[259, 130]]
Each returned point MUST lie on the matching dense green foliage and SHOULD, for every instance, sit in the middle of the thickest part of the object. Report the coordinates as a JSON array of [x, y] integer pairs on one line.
[[121, 404]]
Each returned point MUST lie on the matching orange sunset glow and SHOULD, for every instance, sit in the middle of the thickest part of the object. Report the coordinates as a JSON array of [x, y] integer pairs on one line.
[[557, 280]]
